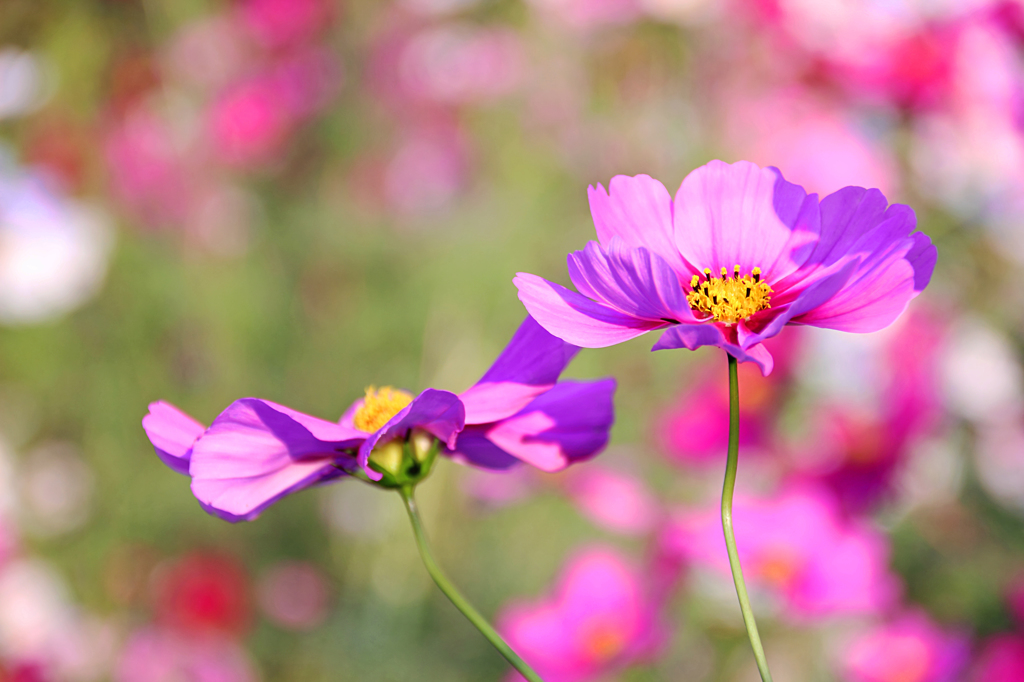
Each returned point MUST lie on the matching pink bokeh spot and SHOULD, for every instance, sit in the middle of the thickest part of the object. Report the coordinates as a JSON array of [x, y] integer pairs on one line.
[[600, 619]]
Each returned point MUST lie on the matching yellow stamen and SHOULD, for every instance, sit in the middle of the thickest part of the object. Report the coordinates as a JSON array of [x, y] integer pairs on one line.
[[379, 406], [729, 299]]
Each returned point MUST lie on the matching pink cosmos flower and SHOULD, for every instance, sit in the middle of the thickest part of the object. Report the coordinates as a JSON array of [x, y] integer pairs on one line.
[[599, 620], [155, 655], [257, 451], [249, 123], [865, 434], [694, 431], [798, 546], [460, 64], [613, 500], [909, 649], [737, 255], [285, 23], [821, 146]]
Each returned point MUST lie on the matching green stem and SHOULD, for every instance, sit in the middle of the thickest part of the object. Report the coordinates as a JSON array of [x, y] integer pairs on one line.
[[730, 538], [453, 594]]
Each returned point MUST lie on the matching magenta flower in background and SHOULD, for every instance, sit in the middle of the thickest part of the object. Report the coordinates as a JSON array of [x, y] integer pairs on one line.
[[1001, 659], [797, 545], [256, 451], [600, 619], [694, 431], [278, 24], [249, 123], [613, 500], [155, 655], [909, 649], [737, 255]]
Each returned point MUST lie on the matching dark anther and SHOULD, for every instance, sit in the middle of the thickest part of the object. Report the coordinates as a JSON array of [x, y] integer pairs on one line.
[[748, 292], [757, 276], [715, 299]]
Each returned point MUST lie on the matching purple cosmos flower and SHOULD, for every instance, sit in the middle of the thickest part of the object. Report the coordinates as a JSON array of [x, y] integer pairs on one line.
[[738, 254], [256, 451]]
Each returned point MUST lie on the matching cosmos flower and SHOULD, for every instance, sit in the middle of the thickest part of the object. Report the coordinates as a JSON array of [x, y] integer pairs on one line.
[[797, 546], [257, 451], [909, 649], [737, 255], [600, 619]]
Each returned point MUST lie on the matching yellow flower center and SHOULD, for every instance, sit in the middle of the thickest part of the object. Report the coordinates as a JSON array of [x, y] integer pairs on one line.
[[729, 299], [379, 406]]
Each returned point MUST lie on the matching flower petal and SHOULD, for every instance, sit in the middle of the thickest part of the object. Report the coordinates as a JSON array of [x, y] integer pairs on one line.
[[530, 364], [576, 319], [438, 412], [474, 447], [725, 215], [567, 424], [257, 451], [631, 280], [172, 433], [693, 336], [637, 210], [922, 257]]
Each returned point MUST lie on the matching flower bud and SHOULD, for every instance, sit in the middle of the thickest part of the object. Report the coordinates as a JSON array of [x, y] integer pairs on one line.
[[387, 458], [422, 445]]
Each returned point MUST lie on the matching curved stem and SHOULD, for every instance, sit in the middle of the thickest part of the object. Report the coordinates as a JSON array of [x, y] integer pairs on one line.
[[730, 539], [455, 596]]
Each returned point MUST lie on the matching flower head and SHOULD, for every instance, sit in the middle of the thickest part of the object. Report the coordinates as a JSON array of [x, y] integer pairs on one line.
[[799, 548], [257, 451], [600, 618], [737, 254], [909, 649]]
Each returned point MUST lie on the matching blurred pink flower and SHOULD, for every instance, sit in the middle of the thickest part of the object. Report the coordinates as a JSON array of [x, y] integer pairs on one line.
[[498, 488], [285, 23], [155, 655], [1001, 659], [587, 15], [203, 592], [294, 595], [909, 649], [600, 619], [821, 146], [694, 431], [613, 500], [148, 169], [250, 122], [208, 54], [797, 545], [427, 171], [461, 65], [860, 445]]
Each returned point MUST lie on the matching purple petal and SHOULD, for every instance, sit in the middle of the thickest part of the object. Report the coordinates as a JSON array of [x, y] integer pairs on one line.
[[530, 364], [256, 451], [474, 447], [726, 215], [568, 424], [631, 280], [637, 210], [922, 257], [172, 433], [693, 336], [820, 292], [438, 412], [575, 318]]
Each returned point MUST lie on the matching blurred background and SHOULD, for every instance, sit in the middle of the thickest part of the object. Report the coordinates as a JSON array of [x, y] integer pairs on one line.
[[294, 199]]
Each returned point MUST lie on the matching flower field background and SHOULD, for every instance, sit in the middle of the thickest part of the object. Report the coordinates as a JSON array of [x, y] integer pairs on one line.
[[297, 199]]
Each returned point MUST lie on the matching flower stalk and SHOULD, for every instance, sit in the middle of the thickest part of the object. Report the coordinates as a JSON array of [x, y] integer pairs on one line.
[[730, 539], [460, 602]]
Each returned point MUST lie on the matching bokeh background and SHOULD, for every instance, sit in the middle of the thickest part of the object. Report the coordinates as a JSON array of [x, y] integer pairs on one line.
[[295, 199]]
